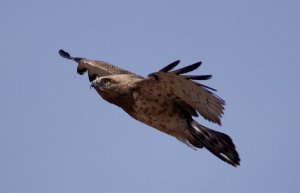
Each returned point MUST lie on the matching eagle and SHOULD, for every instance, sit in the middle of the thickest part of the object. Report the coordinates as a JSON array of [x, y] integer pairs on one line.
[[166, 100]]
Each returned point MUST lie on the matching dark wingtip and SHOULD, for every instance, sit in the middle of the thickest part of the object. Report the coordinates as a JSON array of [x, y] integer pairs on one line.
[[197, 77], [170, 66], [92, 77], [81, 71], [199, 84], [64, 54], [187, 69]]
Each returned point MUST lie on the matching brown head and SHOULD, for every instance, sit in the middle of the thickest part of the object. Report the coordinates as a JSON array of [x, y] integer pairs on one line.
[[116, 89]]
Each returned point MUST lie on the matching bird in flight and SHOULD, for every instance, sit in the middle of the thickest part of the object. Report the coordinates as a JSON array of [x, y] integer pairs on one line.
[[166, 100]]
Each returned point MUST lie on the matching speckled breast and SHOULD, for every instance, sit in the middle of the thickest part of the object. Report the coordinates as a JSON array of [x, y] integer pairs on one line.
[[158, 112]]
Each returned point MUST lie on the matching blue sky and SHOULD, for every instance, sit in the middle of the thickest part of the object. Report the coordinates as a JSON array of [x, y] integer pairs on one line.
[[57, 135]]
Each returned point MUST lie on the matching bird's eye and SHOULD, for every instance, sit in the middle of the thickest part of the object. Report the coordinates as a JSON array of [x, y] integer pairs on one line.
[[106, 81]]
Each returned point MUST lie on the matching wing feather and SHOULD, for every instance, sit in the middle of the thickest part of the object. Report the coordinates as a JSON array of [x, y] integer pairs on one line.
[[187, 69], [93, 67], [193, 94], [170, 66], [197, 77], [206, 103]]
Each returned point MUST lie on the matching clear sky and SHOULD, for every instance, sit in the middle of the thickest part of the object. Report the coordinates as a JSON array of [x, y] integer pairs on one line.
[[58, 136]]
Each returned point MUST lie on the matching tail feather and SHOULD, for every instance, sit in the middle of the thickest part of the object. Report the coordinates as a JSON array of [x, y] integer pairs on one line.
[[218, 143]]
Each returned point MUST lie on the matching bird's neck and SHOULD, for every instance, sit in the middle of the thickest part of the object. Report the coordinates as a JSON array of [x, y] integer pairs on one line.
[[125, 101]]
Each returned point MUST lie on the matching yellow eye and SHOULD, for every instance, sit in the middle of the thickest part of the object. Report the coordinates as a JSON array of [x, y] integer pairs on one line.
[[106, 81]]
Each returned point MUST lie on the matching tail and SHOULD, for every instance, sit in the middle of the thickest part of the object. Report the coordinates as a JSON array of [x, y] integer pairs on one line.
[[217, 143]]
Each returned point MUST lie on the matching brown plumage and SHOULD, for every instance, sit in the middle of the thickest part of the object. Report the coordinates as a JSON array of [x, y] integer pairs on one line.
[[166, 100]]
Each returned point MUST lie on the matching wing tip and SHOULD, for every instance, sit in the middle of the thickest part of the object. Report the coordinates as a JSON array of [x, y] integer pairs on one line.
[[187, 69], [169, 66], [66, 55]]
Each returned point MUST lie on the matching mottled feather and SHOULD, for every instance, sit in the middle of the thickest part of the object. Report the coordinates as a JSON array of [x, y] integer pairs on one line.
[[206, 103]]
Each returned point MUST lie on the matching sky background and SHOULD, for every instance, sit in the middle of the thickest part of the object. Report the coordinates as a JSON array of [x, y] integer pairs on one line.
[[58, 136]]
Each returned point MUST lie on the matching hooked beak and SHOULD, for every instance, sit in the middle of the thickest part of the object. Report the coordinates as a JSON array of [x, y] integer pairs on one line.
[[94, 84]]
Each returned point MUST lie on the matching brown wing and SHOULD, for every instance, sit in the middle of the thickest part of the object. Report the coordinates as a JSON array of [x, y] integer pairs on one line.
[[94, 68], [194, 95]]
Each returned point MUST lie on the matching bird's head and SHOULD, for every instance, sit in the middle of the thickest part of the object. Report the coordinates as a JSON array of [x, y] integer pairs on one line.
[[115, 83], [103, 83]]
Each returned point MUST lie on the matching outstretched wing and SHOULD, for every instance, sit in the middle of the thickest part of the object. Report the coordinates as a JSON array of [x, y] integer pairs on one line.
[[189, 95], [94, 68]]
